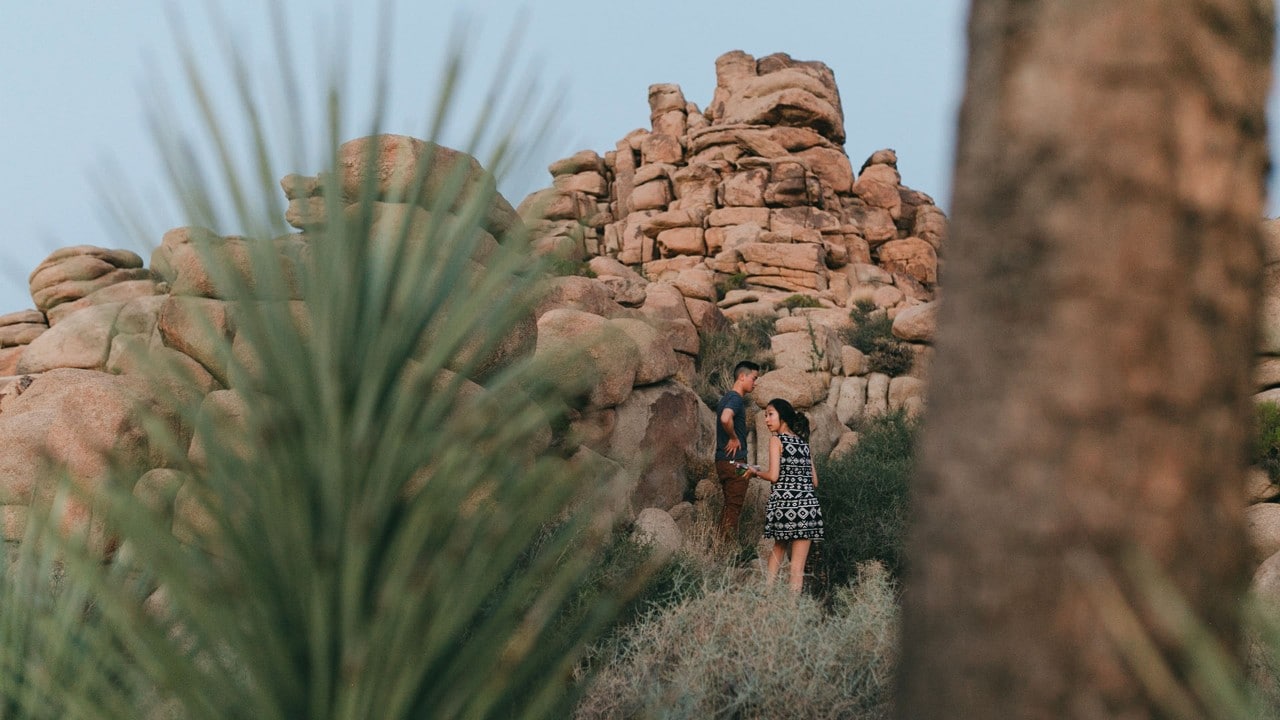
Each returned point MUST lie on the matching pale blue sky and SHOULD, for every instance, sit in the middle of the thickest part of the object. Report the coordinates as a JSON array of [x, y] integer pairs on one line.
[[77, 80]]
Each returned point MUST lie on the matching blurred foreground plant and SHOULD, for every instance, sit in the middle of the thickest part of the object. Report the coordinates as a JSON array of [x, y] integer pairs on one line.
[[356, 545]]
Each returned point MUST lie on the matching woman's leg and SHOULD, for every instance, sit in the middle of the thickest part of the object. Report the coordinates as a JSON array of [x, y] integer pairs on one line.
[[775, 559], [799, 553]]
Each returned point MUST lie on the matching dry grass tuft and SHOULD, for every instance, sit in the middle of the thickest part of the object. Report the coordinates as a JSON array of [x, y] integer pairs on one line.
[[747, 651]]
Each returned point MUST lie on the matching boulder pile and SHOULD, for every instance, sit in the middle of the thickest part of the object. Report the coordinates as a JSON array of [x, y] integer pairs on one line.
[[757, 186], [708, 219], [737, 209], [736, 212], [747, 211], [109, 337]]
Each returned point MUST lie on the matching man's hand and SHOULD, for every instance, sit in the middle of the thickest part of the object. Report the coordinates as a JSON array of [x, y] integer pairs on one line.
[[732, 447]]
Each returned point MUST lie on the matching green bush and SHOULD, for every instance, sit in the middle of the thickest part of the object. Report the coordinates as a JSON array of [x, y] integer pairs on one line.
[[800, 301], [736, 281], [891, 357], [757, 332], [747, 651], [867, 330], [864, 501], [872, 333], [564, 266], [748, 339], [1266, 440]]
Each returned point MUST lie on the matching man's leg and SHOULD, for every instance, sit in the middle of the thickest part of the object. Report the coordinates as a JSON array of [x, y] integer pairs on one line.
[[734, 486]]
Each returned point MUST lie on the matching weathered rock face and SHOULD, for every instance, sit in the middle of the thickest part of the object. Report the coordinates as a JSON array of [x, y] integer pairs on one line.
[[73, 416], [756, 191], [84, 275], [17, 331], [776, 90], [661, 430], [758, 186], [125, 335]]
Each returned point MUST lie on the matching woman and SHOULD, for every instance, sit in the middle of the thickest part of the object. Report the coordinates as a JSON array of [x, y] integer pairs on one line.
[[792, 519]]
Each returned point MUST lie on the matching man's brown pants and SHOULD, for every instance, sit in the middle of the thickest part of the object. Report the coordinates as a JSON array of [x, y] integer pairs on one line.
[[735, 494]]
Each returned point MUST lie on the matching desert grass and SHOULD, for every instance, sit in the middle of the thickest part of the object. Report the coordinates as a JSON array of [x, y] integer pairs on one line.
[[745, 650]]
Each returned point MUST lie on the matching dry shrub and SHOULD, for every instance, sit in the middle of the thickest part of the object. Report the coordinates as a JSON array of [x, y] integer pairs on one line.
[[754, 652]]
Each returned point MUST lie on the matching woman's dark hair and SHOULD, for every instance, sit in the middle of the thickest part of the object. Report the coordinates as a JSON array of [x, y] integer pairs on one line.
[[794, 419]]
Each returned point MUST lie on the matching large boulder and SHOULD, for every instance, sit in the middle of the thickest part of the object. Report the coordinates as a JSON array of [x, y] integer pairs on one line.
[[81, 421], [20, 328], [800, 388], [585, 347], [825, 428], [201, 329], [656, 528], [71, 273], [198, 263], [83, 340], [583, 294], [121, 292], [662, 430], [657, 358], [665, 307], [393, 163], [777, 90], [917, 323]]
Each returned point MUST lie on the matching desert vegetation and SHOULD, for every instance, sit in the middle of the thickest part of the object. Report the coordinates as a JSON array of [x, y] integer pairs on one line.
[[382, 516], [871, 331]]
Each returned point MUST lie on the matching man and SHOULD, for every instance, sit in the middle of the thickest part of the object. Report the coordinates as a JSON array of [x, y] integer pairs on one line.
[[731, 445]]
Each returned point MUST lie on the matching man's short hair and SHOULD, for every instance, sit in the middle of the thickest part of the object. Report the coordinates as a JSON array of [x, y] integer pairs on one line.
[[744, 367]]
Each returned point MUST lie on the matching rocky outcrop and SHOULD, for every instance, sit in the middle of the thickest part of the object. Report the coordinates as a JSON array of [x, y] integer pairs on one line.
[[1262, 493], [755, 193], [757, 186], [73, 417], [17, 331], [83, 276], [111, 337]]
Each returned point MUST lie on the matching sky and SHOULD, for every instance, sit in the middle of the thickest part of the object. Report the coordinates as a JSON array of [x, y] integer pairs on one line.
[[83, 84]]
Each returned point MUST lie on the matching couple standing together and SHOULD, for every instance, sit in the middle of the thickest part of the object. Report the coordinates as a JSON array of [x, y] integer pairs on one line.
[[792, 518]]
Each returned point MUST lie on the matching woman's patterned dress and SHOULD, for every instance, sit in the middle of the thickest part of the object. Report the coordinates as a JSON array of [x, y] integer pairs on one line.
[[793, 512]]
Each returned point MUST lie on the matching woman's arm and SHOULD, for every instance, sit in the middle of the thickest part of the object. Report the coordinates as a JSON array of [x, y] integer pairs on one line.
[[815, 474], [775, 461]]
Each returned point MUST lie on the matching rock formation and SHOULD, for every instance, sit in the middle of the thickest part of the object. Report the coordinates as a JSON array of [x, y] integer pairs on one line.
[[82, 368], [706, 219], [755, 193], [1263, 493]]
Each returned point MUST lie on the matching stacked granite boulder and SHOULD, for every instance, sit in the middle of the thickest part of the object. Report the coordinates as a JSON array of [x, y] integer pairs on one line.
[[71, 279], [111, 342], [1262, 492], [17, 330], [757, 185], [739, 207], [754, 192], [641, 341]]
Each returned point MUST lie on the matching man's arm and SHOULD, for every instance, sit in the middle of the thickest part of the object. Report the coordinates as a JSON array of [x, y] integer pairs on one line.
[[731, 446]]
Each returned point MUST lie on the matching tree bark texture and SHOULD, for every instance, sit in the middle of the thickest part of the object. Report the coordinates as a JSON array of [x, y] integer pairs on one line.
[[1091, 391]]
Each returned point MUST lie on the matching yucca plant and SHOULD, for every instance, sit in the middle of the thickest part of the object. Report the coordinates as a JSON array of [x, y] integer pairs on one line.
[[389, 529]]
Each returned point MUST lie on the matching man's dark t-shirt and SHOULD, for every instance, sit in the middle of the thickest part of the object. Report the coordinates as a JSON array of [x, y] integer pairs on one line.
[[734, 402]]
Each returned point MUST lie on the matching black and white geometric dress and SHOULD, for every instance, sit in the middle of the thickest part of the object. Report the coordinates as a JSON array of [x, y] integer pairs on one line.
[[793, 512]]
